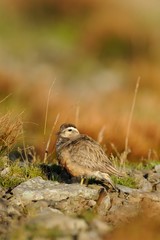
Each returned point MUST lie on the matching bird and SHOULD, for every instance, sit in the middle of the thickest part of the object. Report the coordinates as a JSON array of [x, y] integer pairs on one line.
[[82, 156]]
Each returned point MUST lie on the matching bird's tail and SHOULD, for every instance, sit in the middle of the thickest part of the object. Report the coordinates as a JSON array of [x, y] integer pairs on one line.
[[112, 170], [104, 177]]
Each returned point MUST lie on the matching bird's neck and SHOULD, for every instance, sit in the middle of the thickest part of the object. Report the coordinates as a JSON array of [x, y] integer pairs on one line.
[[61, 141]]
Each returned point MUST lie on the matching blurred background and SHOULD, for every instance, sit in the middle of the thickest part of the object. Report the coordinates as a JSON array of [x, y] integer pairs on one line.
[[94, 51]]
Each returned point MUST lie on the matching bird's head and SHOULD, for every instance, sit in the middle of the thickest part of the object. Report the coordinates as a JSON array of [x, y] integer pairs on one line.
[[68, 130]]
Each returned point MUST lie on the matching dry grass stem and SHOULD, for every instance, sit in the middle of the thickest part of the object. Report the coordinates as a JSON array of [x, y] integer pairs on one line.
[[4, 99], [116, 151], [50, 136], [131, 113], [47, 106], [24, 145], [124, 155], [101, 134], [77, 115]]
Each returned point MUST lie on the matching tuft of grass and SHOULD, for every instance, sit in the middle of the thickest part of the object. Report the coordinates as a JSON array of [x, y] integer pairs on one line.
[[125, 181], [17, 173], [146, 165], [32, 231], [10, 129]]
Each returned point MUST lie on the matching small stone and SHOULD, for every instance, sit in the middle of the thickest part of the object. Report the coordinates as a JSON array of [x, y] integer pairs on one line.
[[5, 171], [157, 168], [91, 203]]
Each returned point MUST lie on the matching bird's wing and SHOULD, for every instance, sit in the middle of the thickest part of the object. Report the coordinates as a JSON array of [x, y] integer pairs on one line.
[[87, 153]]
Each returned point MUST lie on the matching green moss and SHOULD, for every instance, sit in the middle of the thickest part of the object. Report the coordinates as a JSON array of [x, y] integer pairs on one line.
[[125, 181], [146, 165], [17, 174], [88, 215]]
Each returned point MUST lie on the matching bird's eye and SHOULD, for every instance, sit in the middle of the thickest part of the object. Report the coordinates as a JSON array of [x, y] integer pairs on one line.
[[69, 130]]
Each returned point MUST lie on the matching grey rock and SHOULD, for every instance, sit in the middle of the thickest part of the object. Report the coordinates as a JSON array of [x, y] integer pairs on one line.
[[2, 192], [5, 171], [3, 206], [91, 203], [157, 168], [73, 206], [125, 189], [34, 208], [37, 206], [158, 187], [144, 185], [154, 196], [65, 224], [89, 235], [62, 238], [49, 210], [13, 211], [38, 189], [100, 226], [154, 177]]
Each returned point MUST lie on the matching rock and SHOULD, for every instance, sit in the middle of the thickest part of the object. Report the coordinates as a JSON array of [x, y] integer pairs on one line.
[[154, 177], [158, 187], [61, 238], [100, 226], [3, 206], [144, 185], [117, 198], [89, 235], [65, 225], [73, 206], [36, 207], [122, 214], [5, 171], [150, 207], [125, 189], [38, 189], [154, 196], [13, 211], [104, 206], [91, 203], [49, 210], [157, 168], [2, 192]]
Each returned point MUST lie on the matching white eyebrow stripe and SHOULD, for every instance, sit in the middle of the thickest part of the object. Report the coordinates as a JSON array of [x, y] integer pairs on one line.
[[73, 128]]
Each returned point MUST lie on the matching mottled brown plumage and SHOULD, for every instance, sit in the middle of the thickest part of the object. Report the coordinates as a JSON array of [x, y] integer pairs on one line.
[[82, 156]]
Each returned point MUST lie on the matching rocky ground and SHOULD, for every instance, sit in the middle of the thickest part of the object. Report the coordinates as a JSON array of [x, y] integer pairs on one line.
[[41, 209]]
